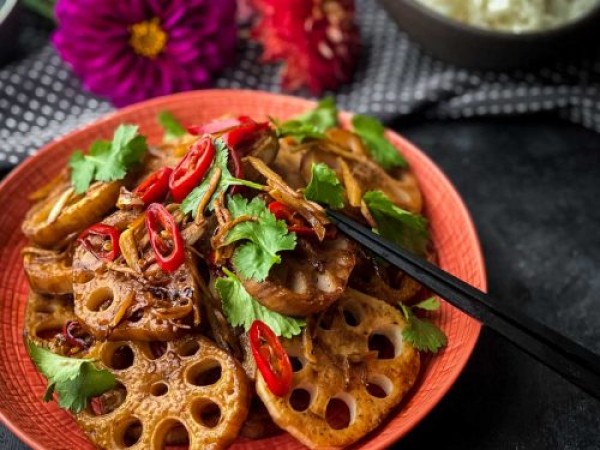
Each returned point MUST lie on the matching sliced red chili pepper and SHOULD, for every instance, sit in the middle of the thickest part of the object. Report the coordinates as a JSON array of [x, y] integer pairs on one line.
[[295, 223], [102, 241], [216, 126], [97, 406], [244, 133], [271, 358], [155, 187], [165, 238], [191, 169], [75, 336]]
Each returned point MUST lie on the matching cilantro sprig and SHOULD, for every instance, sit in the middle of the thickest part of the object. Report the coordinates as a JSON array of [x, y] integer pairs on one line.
[[241, 309], [311, 124], [172, 127], [191, 202], [74, 380], [421, 333], [406, 229], [325, 187], [372, 132], [108, 160], [263, 238]]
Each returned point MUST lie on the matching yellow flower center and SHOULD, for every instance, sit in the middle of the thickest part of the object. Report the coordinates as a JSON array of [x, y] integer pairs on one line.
[[148, 38]]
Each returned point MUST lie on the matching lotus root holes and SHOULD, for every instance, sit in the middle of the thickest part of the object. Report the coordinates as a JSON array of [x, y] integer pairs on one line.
[[301, 397], [379, 386], [204, 373], [118, 356], [341, 411], [108, 401], [100, 299], [47, 330], [171, 431], [206, 412], [353, 314], [387, 342], [159, 389], [188, 348], [128, 432], [297, 363]]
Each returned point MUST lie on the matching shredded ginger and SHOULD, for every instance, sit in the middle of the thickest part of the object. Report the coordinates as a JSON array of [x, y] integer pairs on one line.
[[515, 16]]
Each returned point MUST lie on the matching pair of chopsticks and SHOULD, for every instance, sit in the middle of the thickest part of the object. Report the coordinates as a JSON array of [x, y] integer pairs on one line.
[[569, 359]]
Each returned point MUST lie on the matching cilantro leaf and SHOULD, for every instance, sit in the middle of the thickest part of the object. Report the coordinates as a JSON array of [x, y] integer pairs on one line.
[[74, 380], [402, 227], [173, 128], [422, 334], [382, 150], [107, 160], [241, 309], [191, 202], [430, 304], [311, 124], [325, 187], [265, 237]]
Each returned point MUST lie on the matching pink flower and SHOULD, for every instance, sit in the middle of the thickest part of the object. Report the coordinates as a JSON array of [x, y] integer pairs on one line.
[[130, 50]]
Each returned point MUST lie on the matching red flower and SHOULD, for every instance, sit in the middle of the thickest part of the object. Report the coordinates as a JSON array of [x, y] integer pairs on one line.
[[317, 40]]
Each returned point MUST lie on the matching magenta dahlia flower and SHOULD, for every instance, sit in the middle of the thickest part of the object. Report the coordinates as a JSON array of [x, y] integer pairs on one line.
[[130, 50]]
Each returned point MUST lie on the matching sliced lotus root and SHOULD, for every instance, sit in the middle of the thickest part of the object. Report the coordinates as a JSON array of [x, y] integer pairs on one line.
[[52, 219], [45, 320], [348, 388], [117, 302], [188, 391], [48, 272], [309, 279]]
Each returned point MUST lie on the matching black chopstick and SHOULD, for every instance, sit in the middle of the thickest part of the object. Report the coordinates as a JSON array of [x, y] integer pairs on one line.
[[569, 359]]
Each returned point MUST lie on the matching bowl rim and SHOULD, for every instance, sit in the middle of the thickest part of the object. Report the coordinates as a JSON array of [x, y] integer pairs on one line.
[[474, 30], [448, 380]]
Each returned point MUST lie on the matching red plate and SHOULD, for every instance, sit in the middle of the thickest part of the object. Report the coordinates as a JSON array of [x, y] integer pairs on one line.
[[45, 426]]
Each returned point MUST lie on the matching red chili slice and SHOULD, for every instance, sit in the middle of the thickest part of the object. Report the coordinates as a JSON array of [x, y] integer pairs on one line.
[[295, 223], [102, 241], [165, 238], [192, 168], [155, 187], [216, 126], [244, 133], [271, 358]]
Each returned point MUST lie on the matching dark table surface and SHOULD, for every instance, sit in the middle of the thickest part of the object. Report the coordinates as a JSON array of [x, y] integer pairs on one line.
[[533, 188]]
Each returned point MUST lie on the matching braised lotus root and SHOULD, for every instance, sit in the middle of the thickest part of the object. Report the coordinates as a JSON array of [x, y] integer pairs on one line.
[[309, 279], [63, 212], [48, 271], [117, 305], [45, 319], [353, 380], [192, 393]]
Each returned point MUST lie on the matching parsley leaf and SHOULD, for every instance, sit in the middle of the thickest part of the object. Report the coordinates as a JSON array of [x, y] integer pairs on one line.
[[265, 236], [107, 160], [422, 334], [241, 309], [74, 380], [312, 124], [382, 150], [325, 187], [402, 227], [191, 202], [172, 126]]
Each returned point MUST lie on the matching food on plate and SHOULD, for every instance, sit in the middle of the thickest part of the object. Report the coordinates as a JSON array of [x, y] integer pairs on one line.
[[187, 293], [515, 16]]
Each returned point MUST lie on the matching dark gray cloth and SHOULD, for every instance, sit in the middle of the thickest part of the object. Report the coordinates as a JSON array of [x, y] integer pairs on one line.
[[41, 100]]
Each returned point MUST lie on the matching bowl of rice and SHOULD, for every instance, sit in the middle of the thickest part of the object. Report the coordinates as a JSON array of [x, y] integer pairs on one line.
[[500, 34]]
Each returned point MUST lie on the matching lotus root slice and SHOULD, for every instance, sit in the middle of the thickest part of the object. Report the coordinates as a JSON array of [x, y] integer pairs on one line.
[[186, 389], [115, 305], [364, 391]]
